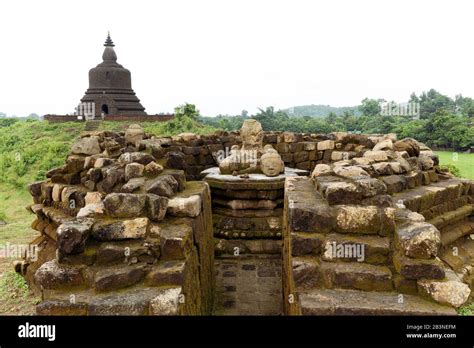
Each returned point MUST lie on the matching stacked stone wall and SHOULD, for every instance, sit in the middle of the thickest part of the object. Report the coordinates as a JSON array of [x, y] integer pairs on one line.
[[120, 234], [389, 202]]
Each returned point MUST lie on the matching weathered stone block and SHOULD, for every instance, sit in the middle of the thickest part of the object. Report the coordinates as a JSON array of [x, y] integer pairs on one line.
[[305, 243], [451, 292], [325, 145], [176, 160], [156, 206], [128, 229], [86, 146], [51, 275], [395, 183], [63, 308], [418, 268], [185, 206], [109, 254], [167, 302], [358, 219], [356, 248], [117, 278], [167, 273], [306, 273], [125, 204], [133, 185], [165, 185], [321, 170], [72, 235], [377, 156], [350, 171], [353, 275], [176, 241], [138, 157], [341, 192], [301, 156], [153, 169], [371, 187], [411, 146], [310, 215], [296, 147], [419, 240], [133, 170]]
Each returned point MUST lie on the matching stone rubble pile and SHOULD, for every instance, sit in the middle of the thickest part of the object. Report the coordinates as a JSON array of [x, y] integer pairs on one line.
[[120, 232]]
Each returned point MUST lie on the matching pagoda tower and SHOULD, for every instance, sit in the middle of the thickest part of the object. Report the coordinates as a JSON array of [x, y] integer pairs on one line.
[[110, 87]]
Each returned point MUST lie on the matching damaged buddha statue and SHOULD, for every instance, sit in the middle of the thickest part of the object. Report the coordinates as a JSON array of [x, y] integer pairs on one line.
[[252, 157]]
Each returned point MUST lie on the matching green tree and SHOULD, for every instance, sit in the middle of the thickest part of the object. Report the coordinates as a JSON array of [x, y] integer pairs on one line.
[[432, 101], [188, 110], [370, 107]]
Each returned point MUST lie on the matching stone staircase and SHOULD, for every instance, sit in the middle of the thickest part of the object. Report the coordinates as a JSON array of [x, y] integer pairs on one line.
[[358, 266]]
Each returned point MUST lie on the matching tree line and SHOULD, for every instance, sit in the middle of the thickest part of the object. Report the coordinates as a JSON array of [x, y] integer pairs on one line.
[[442, 122]]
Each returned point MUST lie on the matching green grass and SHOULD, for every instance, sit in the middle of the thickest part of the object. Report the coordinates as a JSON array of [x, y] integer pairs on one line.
[[463, 161], [13, 202], [467, 309], [15, 295]]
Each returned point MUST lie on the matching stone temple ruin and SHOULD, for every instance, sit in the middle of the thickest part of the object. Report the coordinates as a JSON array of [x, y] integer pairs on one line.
[[328, 224]]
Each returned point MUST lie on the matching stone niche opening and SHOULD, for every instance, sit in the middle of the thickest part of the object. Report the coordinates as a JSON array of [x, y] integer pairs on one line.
[[105, 109]]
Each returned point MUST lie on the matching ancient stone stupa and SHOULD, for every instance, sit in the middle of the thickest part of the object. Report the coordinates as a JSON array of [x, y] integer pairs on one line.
[[110, 87]]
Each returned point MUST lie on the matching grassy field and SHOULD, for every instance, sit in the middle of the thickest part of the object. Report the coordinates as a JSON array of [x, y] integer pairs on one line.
[[463, 161], [15, 297]]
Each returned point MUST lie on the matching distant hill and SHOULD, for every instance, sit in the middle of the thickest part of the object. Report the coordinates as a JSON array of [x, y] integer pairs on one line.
[[319, 110]]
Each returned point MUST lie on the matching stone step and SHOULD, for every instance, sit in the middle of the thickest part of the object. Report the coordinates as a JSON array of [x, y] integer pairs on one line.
[[357, 248], [455, 231], [247, 234], [411, 268], [425, 197], [353, 302], [447, 219], [310, 273], [247, 204], [248, 213], [355, 275], [459, 254], [231, 223], [247, 246], [137, 300]]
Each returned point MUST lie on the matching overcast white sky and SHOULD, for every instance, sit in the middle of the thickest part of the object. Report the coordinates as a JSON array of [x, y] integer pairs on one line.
[[229, 55]]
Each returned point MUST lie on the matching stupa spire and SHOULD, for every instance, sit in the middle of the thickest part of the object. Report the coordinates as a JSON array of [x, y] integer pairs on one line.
[[108, 41]]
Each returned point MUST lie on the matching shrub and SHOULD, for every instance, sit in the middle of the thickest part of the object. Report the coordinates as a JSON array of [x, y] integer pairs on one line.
[[452, 169]]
